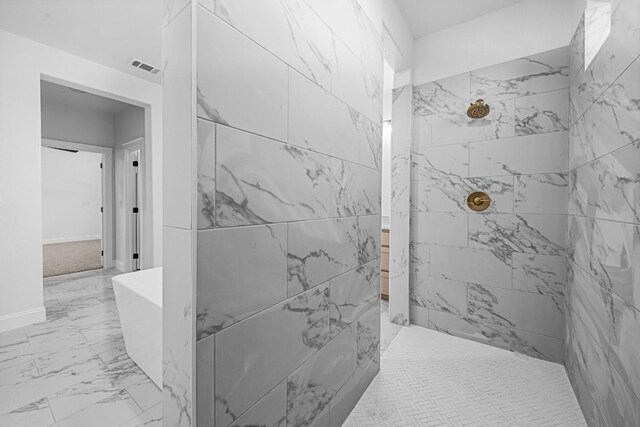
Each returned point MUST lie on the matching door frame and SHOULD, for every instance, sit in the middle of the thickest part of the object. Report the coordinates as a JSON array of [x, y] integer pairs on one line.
[[107, 190], [128, 147]]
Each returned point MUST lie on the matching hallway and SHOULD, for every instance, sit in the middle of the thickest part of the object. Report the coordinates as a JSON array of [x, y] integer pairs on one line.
[[428, 378]]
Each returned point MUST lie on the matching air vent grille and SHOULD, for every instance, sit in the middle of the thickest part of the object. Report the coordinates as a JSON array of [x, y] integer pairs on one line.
[[144, 66]]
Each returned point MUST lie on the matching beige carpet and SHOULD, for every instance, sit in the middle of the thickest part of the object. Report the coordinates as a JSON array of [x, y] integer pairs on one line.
[[71, 257]]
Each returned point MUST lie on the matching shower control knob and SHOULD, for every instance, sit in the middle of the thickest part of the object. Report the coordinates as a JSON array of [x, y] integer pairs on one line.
[[478, 201]]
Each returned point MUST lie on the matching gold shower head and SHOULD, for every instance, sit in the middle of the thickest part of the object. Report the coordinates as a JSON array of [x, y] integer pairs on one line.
[[478, 110]]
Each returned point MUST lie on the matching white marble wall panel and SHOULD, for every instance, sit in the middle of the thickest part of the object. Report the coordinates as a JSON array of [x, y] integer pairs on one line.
[[352, 294], [319, 251], [270, 411], [205, 374], [422, 131], [471, 265], [260, 180], [419, 261], [437, 227], [311, 109], [449, 160], [448, 193], [247, 90], [251, 359], [541, 194], [450, 95], [439, 294], [348, 396], [400, 179], [228, 291], [206, 174], [541, 113], [514, 309], [542, 274], [290, 30], [368, 336], [542, 153], [311, 387], [369, 227], [533, 74], [576, 51], [355, 189], [624, 342], [421, 195], [590, 303]]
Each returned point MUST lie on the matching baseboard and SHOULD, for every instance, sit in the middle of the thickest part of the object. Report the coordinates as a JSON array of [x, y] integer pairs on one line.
[[22, 318], [119, 265], [71, 239]]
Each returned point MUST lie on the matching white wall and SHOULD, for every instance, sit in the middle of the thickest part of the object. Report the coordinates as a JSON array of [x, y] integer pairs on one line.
[[22, 64], [65, 123], [525, 28], [71, 196]]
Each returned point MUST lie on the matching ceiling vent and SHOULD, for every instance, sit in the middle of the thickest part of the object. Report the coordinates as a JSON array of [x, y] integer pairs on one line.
[[144, 66]]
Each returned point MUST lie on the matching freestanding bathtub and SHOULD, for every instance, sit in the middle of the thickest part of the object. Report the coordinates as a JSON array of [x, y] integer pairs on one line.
[[139, 302]]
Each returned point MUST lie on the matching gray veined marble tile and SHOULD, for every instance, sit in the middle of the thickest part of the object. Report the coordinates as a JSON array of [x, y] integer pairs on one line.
[[259, 180], [240, 272], [312, 386], [440, 228], [576, 51], [533, 74], [247, 91], [450, 95], [35, 414], [419, 258], [254, 355], [420, 195], [289, 29], [206, 174], [541, 113], [541, 194], [205, 374], [368, 238], [368, 335], [421, 131], [400, 178], [591, 304], [311, 108], [448, 160], [348, 396], [541, 274], [535, 345], [270, 411], [448, 193], [355, 189], [505, 234], [439, 294], [352, 294], [531, 154], [471, 265], [624, 342], [115, 409], [514, 309], [456, 127], [319, 251], [401, 118]]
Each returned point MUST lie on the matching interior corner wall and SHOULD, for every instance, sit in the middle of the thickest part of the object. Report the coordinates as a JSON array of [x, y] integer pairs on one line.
[[603, 320], [525, 28], [23, 63], [288, 242]]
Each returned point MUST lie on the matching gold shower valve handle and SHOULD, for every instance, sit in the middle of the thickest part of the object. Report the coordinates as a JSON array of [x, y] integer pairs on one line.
[[478, 201]]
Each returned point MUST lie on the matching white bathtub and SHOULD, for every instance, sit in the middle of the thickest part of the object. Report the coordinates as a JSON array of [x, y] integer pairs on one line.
[[139, 302]]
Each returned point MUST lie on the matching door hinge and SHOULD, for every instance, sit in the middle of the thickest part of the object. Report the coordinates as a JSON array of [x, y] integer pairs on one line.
[[135, 256], [101, 253], [135, 210], [101, 209], [135, 163], [100, 165]]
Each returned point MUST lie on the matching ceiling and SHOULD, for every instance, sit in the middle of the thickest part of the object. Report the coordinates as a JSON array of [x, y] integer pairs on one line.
[[109, 32], [63, 96], [428, 16]]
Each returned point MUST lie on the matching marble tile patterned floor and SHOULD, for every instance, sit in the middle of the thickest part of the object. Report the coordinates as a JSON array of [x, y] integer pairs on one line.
[[73, 370], [428, 378]]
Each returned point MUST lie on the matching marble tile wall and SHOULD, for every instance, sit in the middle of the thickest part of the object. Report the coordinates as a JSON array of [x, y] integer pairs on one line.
[[603, 240], [288, 160], [497, 276]]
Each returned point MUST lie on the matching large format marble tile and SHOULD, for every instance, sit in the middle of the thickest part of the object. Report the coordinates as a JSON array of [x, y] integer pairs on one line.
[[312, 386], [448, 193], [240, 84], [576, 51], [240, 272], [352, 294], [439, 294], [355, 189], [205, 372], [35, 414], [260, 180], [206, 174], [533, 74], [542, 113], [531, 344], [441, 228], [419, 258], [541, 274], [420, 194], [450, 95], [348, 396], [514, 309], [421, 128], [368, 336], [289, 29], [320, 250], [400, 179], [590, 302], [624, 344], [505, 234], [531, 154], [270, 411], [541, 194], [351, 135], [368, 238], [254, 355], [449, 159], [471, 265]]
